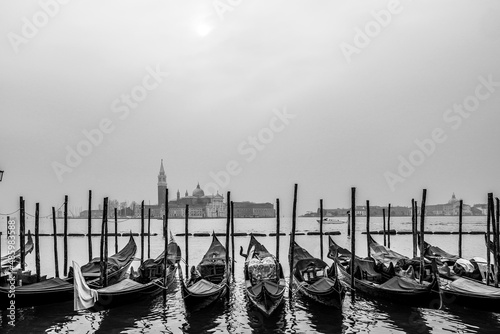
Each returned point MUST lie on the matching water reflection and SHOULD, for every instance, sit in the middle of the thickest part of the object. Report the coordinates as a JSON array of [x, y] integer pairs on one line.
[[259, 323], [321, 318], [463, 320], [207, 319]]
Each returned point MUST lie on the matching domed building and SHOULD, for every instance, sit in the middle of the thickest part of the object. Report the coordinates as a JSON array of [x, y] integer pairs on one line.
[[200, 205]]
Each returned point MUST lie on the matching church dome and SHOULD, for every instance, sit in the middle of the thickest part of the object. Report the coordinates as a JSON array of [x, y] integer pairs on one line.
[[198, 192]]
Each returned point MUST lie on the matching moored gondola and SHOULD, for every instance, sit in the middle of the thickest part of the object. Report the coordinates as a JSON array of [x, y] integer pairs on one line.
[[264, 280], [465, 286], [148, 282], [208, 282], [452, 266], [9, 262], [314, 279], [371, 281], [56, 290]]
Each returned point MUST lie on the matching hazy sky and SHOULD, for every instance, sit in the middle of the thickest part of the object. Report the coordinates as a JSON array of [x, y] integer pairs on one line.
[[359, 94]]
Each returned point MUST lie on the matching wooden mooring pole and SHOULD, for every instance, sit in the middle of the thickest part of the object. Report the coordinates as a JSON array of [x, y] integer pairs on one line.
[[292, 239], [37, 241], [353, 243], [101, 252], [116, 230], [165, 244], [54, 228], [149, 233], [22, 231], [186, 238], [232, 238], [228, 229], [389, 226], [278, 229], [368, 228], [414, 227], [321, 228], [142, 232], [89, 227], [65, 238], [422, 222], [488, 260], [383, 227], [460, 228]]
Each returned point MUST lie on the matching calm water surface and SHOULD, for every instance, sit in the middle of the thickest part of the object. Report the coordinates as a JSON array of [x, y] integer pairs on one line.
[[167, 315]]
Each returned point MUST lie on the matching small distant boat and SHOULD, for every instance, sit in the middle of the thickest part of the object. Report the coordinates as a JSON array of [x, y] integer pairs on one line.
[[264, 280], [315, 279], [328, 220], [209, 280]]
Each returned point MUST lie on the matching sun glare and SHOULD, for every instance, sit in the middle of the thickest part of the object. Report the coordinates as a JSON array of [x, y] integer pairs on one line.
[[203, 29]]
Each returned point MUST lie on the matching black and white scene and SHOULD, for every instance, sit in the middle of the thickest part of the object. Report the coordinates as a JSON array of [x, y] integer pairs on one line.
[[236, 166]]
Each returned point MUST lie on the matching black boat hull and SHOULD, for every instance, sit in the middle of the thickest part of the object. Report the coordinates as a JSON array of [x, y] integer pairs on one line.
[[428, 297], [266, 301], [197, 301], [333, 297], [111, 300]]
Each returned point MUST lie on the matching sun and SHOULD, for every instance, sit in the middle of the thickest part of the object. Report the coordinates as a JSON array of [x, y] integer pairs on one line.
[[203, 29]]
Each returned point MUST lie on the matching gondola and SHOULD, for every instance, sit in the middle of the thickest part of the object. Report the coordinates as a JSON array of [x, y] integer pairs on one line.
[[209, 280], [11, 261], [56, 290], [264, 280], [452, 266], [313, 278], [468, 289], [370, 281], [148, 282]]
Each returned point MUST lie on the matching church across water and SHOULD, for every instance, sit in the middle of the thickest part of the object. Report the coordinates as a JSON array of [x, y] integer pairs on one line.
[[203, 206]]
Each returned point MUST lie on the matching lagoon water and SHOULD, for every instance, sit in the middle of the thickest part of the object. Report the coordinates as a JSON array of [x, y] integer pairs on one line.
[[234, 315]]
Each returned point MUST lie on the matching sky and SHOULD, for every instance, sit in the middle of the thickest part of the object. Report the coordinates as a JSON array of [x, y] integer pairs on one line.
[[390, 97]]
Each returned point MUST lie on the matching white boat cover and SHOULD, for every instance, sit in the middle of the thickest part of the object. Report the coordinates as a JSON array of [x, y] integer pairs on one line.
[[84, 297], [466, 265]]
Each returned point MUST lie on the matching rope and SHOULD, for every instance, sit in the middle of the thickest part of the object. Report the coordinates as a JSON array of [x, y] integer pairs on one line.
[[8, 214], [47, 216]]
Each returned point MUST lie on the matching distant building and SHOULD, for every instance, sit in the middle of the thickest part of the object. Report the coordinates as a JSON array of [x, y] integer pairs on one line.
[[253, 210], [200, 205], [452, 208], [94, 214]]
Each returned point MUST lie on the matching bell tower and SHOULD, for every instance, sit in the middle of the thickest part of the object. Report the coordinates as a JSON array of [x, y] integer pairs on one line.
[[162, 186]]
